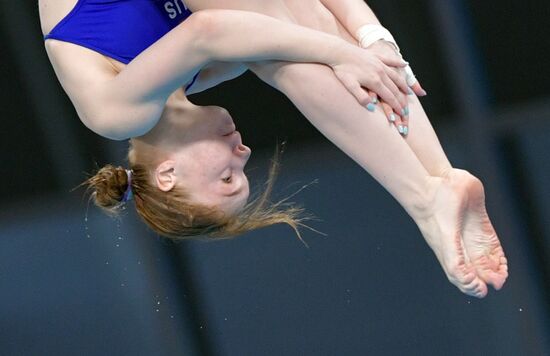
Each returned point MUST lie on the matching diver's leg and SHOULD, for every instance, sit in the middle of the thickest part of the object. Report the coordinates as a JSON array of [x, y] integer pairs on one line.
[[480, 240], [479, 237], [421, 138], [438, 205]]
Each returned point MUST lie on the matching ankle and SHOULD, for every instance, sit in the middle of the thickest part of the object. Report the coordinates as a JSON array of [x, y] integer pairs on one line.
[[422, 207]]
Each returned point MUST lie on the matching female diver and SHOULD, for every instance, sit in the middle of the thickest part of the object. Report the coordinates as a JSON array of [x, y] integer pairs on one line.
[[177, 193]]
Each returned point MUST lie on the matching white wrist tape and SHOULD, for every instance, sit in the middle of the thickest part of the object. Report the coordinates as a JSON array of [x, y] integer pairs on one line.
[[368, 34], [409, 76]]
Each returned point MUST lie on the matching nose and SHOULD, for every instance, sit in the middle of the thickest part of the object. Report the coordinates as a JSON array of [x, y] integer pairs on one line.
[[242, 151]]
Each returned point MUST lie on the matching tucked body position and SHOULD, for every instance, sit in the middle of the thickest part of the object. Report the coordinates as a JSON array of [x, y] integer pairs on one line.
[[331, 58]]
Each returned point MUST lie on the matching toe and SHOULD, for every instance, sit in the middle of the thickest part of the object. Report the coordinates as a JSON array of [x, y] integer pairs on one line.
[[497, 279], [467, 281]]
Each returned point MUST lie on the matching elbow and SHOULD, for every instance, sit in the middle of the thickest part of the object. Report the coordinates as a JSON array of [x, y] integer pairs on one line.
[[117, 118], [107, 125], [104, 127], [113, 134]]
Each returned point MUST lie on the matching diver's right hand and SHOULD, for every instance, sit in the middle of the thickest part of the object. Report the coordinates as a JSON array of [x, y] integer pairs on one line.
[[359, 69]]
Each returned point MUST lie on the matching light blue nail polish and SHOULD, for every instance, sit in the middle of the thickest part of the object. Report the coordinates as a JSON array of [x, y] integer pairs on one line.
[[409, 91], [392, 117], [405, 130], [375, 100], [405, 111], [400, 129], [371, 107]]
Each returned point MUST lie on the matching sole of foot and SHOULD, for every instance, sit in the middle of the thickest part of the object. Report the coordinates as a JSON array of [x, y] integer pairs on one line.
[[459, 231]]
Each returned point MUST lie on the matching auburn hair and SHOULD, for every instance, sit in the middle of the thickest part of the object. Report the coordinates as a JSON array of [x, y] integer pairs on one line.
[[172, 214]]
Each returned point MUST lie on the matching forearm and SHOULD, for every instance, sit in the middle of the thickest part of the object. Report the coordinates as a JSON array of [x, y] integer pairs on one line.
[[222, 35], [248, 37], [352, 14], [141, 89]]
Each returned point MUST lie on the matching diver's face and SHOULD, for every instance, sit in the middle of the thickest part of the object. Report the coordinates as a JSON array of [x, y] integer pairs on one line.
[[209, 160]]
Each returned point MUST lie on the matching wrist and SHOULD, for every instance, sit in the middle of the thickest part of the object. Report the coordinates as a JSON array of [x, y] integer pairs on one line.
[[368, 34], [337, 53]]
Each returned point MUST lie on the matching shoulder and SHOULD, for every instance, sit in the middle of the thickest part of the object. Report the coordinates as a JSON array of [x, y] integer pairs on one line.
[[53, 11]]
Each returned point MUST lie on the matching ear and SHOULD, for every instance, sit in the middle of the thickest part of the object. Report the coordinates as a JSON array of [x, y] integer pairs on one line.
[[165, 176]]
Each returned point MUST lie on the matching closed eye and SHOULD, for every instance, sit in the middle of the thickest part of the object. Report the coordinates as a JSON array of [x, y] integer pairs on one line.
[[227, 179]]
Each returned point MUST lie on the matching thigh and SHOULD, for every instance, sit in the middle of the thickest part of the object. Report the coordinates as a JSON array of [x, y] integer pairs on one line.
[[307, 13], [313, 14], [273, 8]]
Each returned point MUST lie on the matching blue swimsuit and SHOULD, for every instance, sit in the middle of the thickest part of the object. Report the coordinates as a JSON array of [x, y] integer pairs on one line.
[[119, 29]]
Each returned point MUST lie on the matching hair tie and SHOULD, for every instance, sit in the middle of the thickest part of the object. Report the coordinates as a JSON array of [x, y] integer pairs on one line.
[[128, 193]]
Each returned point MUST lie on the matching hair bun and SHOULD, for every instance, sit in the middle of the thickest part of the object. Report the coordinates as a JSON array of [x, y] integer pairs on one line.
[[108, 186]]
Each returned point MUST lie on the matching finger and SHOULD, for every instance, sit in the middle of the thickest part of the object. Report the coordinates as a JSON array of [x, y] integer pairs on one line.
[[387, 95], [371, 106], [356, 90], [396, 120], [399, 80], [401, 97], [418, 90], [405, 123], [392, 61], [411, 79], [392, 117], [405, 115], [373, 96], [388, 111]]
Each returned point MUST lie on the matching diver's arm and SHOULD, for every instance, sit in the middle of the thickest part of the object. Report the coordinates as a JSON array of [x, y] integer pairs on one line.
[[238, 36], [129, 104]]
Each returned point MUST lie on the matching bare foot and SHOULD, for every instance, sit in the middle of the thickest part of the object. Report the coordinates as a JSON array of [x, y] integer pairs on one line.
[[457, 228], [443, 225], [483, 249]]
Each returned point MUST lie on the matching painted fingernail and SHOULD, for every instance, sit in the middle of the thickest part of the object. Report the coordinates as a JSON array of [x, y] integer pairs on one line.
[[371, 107], [375, 100], [405, 111], [392, 117], [400, 129], [409, 91], [423, 93], [405, 131]]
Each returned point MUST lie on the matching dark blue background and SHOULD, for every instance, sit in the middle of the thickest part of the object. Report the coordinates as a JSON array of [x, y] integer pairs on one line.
[[73, 281]]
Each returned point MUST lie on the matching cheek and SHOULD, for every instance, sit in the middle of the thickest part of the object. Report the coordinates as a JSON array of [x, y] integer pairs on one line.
[[210, 156], [217, 150]]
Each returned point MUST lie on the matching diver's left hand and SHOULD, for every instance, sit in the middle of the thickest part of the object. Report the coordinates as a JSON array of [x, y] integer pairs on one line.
[[387, 49], [399, 119]]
